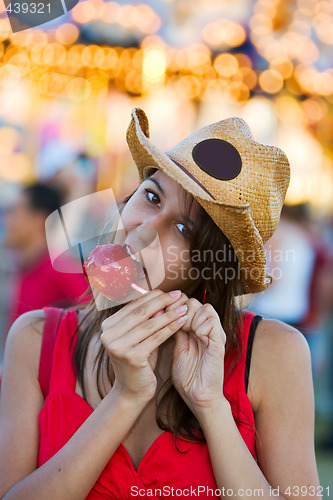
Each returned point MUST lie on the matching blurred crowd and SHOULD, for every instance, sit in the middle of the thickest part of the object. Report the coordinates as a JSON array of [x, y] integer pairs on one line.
[[299, 258], [29, 278]]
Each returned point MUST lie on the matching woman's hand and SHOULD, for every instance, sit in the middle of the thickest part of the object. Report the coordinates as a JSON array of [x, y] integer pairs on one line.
[[198, 365], [131, 337]]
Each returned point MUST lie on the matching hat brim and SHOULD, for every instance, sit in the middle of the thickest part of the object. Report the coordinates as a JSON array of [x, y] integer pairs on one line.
[[229, 218]]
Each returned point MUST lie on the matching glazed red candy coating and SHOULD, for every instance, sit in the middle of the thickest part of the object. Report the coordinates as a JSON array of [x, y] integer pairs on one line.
[[111, 271]]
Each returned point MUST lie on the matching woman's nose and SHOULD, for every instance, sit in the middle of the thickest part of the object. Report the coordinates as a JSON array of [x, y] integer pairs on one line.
[[147, 234]]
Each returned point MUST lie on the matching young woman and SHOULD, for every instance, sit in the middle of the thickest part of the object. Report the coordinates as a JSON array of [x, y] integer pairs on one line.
[[155, 398]]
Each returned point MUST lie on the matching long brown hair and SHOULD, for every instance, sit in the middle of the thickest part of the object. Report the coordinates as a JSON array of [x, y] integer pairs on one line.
[[207, 240]]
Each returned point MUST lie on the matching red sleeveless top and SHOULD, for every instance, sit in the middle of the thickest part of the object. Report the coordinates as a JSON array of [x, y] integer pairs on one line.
[[163, 467]]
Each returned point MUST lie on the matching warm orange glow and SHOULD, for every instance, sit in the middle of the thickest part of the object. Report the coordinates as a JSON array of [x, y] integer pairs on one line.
[[177, 60], [99, 58], [84, 12], [36, 53], [9, 76], [301, 27], [215, 90], [315, 109], [110, 59], [9, 140], [15, 168], [313, 81], [188, 87], [249, 77], [289, 111], [283, 65], [53, 84], [274, 49], [11, 51], [261, 25], [137, 59], [5, 29], [224, 32], [67, 33], [198, 59], [153, 66], [325, 32], [239, 91], [305, 77], [78, 89], [126, 18], [109, 12], [22, 62], [243, 60], [149, 21], [324, 83], [125, 59], [226, 65], [235, 35], [133, 82], [54, 54], [98, 82], [90, 55], [74, 56], [271, 81]]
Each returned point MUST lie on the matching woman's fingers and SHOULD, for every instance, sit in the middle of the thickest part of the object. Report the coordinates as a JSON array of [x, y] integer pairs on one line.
[[127, 308], [150, 344], [201, 314], [181, 342], [207, 326], [139, 310], [204, 330], [160, 327], [183, 299], [193, 307]]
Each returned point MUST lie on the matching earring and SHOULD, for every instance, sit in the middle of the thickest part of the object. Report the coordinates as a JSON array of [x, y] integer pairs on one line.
[[204, 296]]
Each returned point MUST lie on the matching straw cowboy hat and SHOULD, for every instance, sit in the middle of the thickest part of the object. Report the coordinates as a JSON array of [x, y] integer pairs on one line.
[[240, 183]]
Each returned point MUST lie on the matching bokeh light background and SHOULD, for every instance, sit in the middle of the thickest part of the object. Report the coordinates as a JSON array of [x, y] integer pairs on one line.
[[68, 87]]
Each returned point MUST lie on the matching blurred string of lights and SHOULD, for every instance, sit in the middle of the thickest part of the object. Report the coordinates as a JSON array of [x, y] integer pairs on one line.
[[293, 39]]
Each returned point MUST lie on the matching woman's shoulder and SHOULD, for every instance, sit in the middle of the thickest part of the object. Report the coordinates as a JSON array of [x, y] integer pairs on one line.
[[22, 350], [29, 323], [273, 334], [279, 353], [26, 332]]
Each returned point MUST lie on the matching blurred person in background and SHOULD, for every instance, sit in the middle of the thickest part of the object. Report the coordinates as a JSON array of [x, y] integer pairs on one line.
[[324, 299], [36, 284], [297, 254]]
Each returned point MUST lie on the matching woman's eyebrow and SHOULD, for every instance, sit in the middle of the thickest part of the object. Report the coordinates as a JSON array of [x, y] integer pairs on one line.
[[157, 184], [186, 219]]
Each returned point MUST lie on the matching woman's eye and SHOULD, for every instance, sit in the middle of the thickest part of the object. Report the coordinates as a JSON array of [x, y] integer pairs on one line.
[[183, 229], [152, 197]]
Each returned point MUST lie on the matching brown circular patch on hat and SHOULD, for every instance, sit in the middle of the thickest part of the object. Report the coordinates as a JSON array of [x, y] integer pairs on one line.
[[218, 158]]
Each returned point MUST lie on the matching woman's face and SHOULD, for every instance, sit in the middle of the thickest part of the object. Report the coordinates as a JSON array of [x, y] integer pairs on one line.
[[154, 224]]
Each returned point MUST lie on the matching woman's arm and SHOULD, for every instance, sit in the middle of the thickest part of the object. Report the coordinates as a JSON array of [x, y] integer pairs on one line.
[[281, 392], [131, 337], [72, 472]]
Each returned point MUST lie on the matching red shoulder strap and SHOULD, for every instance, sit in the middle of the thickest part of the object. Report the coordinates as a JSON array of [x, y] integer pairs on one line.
[[53, 317]]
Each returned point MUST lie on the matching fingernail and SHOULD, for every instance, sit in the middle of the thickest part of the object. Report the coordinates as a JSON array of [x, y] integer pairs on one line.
[[182, 319], [181, 309], [175, 293]]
